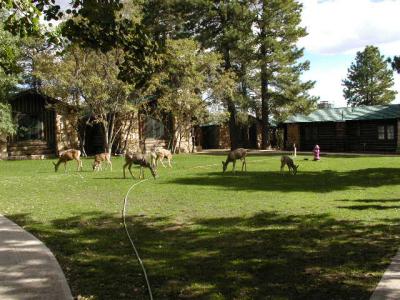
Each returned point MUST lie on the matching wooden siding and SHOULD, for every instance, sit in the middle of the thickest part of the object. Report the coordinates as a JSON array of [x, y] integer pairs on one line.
[[363, 136], [322, 133], [352, 136]]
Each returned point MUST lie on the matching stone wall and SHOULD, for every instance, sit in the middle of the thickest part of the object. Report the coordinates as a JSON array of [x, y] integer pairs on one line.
[[130, 134], [293, 136], [224, 137], [66, 135], [3, 148]]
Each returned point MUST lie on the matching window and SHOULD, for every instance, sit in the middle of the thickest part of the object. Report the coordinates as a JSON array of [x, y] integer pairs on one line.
[[153, 129], [381, 132], [30, 127], [390, 132]]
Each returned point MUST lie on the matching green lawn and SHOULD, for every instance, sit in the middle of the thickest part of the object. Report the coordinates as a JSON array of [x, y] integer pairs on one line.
[[327, 233]]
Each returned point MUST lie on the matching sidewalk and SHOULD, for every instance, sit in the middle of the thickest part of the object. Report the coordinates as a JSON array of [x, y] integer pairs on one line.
[[28, 270], [389, 286]]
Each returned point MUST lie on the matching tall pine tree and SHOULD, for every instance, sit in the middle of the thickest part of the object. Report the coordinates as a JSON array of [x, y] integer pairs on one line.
[[222, 26], [369, 79], [278, 24]]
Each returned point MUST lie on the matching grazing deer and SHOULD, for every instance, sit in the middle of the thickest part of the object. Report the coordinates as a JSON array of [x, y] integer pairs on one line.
[[239, 153], [67, 155], [138, 159], [286, 160], [99, 158], [159, 154]]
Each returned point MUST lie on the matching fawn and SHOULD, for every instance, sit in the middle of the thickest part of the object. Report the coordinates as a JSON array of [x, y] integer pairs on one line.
[[138, 159], [286, 160], [239, 153], [99, 158], [159, 154], [67, 155]]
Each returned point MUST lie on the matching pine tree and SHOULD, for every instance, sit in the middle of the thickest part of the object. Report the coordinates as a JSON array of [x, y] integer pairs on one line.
[[278, 23], [369, 79], [222, 26]]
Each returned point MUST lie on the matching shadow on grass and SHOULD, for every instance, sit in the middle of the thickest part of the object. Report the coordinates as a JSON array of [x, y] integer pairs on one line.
[[264, 256], [364, 207], [323, 181], [370, 200]]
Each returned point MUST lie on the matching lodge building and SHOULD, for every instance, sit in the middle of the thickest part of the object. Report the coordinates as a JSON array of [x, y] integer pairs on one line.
[[347, 129], [46, 126]]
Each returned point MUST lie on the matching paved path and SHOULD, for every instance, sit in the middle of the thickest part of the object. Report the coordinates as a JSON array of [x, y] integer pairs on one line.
[[28, 270], [389, 286]]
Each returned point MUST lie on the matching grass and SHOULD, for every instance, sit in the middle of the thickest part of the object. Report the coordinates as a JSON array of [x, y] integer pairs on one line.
[[328, 232]]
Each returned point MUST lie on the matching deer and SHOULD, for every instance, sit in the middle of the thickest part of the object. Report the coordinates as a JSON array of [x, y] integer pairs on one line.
[[99, 158], [159, 154], [67, 155], [286, 160], [138, 159], [239, 153]]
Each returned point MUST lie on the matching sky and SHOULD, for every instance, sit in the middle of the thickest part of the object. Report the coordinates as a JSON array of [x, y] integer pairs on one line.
[[337, 29]]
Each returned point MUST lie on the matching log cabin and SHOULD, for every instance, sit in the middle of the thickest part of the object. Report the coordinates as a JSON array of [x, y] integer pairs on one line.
[[346, 129]]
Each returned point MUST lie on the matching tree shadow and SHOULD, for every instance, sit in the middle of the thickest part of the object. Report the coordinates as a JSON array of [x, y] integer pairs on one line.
[[263, 256], [364, 207], [319, 182], [370, 200]]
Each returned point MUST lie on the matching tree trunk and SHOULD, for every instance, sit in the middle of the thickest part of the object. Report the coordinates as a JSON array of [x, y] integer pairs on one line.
[[233, 125], [264, 87], [105, 137], [264, 110]]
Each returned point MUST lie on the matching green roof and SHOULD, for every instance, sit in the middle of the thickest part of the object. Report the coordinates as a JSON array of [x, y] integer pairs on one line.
[[341, 114]]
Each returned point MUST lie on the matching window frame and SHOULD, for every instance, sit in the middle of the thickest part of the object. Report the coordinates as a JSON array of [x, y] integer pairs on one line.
[[381, 132], [392, 132], [153, 129]]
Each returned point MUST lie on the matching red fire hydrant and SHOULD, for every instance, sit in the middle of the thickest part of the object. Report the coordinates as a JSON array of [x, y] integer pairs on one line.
[[316, 152]]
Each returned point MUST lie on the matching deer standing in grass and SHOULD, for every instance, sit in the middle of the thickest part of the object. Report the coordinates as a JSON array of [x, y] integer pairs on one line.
[[159, 154], [286, 160], [99, 158], [239, 153], [138, 159], [67, 155]]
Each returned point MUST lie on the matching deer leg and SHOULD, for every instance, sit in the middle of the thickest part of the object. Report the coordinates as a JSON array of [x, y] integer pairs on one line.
[[65, 166], [141, 172], [282, 165], [233, 166], [130, 171], [110, 164], [244, 165], [169, 162], [161, 160], [79, 165], [124, 167]]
